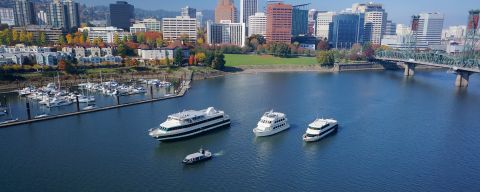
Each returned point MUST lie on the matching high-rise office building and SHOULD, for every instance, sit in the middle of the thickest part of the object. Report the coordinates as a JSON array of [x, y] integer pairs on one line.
[[63, 14], [279, 23], [7, 16], [188, 11], [375, 21], [300, 20], [324, 22], [226, 33], [174, 28], [346, 30], [199, 16], [225, 10], [24, 13], [121, 15], [258, 24], [247, 9], [42, 18], [312, 18], [73, 14], [57, 15], [430, 28], [390, 28]]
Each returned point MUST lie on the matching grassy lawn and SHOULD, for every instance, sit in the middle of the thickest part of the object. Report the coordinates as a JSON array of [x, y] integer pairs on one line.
[[238, 60]]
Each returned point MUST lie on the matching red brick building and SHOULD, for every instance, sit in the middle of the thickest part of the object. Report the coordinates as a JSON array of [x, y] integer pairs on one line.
[[279, 23], [225, 10]]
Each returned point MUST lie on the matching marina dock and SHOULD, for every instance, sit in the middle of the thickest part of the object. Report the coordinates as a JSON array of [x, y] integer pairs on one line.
[[185, 85]]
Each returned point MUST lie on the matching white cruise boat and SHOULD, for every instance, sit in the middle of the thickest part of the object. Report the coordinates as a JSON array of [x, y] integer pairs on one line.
[[190, 123], [58, 102], [319, 129], [271, 123]]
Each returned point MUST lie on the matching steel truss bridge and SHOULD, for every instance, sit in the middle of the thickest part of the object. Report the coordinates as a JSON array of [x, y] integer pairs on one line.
[[431, 59]]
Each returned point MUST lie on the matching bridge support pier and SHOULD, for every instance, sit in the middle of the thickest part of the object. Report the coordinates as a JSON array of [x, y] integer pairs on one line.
[[462, 78], [409, 69]]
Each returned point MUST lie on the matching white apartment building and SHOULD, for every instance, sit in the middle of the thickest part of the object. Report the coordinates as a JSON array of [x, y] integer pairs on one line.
[[137, 27], [174, 28], [155, 54], [257, 24], [151, 24], [226, 32], [430, 28], [324, 20], [106, 33]]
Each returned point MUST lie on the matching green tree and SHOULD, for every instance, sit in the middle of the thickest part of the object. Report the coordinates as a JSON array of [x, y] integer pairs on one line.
[[116, 39], [218, 61], [178, 56], [209, 57], [325, 58], [42, 39], [61, 40]]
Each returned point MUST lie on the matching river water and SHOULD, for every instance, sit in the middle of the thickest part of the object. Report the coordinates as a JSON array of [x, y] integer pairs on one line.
[[395, 134]]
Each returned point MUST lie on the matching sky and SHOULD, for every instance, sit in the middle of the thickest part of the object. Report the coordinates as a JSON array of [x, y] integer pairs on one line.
[[399, 11]]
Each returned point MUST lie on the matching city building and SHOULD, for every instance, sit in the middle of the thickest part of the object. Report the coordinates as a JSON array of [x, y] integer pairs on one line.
[[73, 14], [375, 21], [7, 16], [454, 32], [300, 20], [324, 22], [50, 32], [390, 28], [312, 18], [151, 24], [247, 9], [107, 34], [403, 29], [346, 30], [57, 14], [188, 12], [279, 23], [138, 27], [24, 13], [454, 48], [399, 41], [226, 32], [174, 28], [305, 42], [258, 24], [430, 28], [225, 10], [155, 54], [199, 17], [42, 18], [121, 15]]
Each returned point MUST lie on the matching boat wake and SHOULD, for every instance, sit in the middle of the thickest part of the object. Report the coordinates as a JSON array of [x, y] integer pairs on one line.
[[220, 153]]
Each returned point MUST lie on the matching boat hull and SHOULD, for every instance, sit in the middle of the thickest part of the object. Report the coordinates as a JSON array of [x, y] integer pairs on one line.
[[196, 161], [269, 133], [321, 136], [192, 133]]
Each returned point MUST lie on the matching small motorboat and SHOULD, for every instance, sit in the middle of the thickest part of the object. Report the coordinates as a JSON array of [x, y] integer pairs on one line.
[[9, 121], [89, 107], [201, 155], [41, 116]]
